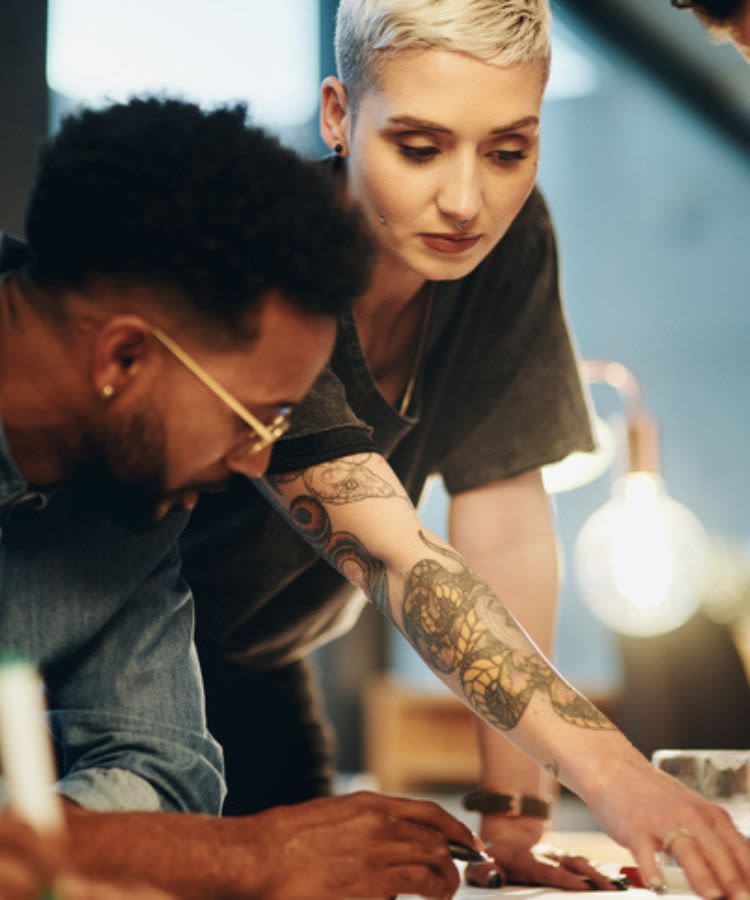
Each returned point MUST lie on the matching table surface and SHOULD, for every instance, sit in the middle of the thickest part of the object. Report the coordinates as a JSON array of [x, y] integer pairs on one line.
[[601, 850]]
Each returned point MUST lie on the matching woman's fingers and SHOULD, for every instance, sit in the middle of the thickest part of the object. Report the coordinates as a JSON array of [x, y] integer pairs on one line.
[[644, 854], [571, 873], [582, 867], [686, 850], [708, 861]]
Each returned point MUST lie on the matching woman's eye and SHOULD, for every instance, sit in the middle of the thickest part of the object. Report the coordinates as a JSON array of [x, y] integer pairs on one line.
[[417, 154], [509, 156]]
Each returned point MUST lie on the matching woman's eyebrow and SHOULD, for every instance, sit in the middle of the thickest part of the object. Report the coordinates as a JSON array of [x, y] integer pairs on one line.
[[514, 126], [426, 125], [420, 124]]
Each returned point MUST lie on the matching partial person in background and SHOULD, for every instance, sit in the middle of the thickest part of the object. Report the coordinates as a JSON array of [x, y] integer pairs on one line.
[[455, 360], [175, 296], [726, 20]]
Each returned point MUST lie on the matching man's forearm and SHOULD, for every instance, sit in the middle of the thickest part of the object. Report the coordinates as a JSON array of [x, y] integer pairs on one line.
[[360, 845], [190, 855]]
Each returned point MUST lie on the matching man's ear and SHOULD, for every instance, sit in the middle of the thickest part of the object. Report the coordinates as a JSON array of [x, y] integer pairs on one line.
[[123, 350], [335, 118]]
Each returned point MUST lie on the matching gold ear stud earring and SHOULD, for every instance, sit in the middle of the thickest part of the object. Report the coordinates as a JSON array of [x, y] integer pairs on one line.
[[108, 391]]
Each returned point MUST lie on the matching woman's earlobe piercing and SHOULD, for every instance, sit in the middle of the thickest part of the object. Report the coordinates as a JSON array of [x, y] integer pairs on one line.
[[338, 149], [108, 391], [381, 219]]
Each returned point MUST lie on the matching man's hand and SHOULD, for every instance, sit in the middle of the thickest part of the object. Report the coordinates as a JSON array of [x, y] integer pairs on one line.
[[360, 845], [509, 840]]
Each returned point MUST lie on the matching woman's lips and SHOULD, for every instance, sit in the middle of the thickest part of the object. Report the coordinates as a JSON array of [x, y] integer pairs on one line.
[[451, 243]]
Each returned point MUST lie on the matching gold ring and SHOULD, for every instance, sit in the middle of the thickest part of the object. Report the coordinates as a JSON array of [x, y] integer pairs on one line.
[[672, 836]]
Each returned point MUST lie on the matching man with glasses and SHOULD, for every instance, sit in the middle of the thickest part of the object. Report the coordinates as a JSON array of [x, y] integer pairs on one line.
[[176, 296], [725, 19]]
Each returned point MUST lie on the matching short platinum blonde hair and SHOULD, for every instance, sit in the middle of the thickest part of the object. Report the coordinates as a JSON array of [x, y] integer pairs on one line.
[[368, 31]]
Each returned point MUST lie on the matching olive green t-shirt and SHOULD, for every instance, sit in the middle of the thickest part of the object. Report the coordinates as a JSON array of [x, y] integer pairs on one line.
[[498, 392]]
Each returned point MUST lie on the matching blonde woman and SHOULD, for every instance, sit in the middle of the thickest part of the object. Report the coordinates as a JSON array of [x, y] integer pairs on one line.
[[456, 360]]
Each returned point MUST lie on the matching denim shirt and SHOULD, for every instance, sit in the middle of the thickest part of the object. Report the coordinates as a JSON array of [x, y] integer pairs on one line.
[[109, 621]]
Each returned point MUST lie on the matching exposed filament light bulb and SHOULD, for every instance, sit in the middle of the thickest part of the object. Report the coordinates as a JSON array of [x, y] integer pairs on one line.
[[640, 558]]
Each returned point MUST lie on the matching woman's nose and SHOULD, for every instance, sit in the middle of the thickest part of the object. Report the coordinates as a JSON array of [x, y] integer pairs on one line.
[[460, 197]]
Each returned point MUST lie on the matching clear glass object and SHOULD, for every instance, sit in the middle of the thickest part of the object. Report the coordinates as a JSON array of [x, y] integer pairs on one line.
[[722, 776]]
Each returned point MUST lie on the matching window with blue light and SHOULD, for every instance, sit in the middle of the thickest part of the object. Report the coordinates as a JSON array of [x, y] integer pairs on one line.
[[266, 54]]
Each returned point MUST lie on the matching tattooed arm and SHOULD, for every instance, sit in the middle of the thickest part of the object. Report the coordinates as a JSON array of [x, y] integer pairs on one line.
[[355, 513]]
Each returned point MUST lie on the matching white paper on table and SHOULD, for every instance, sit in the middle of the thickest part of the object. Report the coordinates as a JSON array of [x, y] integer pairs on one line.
[[466, 892]]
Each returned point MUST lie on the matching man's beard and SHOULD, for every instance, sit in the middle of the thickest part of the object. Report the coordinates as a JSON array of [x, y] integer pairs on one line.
[[122, 471]]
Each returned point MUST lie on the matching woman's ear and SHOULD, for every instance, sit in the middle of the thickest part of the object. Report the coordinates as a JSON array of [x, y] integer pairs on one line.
[[334, 115]]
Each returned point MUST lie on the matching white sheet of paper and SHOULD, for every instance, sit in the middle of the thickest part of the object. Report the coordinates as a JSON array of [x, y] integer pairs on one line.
[[466, 892]]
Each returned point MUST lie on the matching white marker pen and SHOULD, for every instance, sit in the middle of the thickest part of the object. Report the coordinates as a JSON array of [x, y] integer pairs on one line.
[[26, 756]]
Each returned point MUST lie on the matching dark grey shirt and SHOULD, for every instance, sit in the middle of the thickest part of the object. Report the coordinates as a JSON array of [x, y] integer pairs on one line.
[[498, 393]]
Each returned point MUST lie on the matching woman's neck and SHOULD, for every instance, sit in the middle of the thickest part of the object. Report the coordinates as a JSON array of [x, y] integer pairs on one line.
[[392, 288], [391, 317]]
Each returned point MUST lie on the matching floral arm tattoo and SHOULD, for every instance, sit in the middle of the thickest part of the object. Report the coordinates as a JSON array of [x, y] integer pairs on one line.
[[449, 614], [457, 625]]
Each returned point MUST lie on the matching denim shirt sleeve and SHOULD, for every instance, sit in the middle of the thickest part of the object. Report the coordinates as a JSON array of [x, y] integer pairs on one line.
[[128, 713]]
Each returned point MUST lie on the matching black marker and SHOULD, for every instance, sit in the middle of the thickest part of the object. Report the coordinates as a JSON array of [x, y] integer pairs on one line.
[[465, 853]]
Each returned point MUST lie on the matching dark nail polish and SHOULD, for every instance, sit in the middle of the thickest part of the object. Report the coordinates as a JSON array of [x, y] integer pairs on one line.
[[592, 884], [494, 880], [619, 884]]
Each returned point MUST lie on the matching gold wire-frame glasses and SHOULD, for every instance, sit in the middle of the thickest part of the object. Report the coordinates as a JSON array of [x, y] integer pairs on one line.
[[265, 435]]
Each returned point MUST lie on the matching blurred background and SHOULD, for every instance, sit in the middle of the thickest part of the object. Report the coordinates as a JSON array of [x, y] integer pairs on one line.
[[645, 166]]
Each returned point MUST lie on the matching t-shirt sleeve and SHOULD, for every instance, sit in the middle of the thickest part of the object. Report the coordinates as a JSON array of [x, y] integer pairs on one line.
[[323, 428], [524, 371]]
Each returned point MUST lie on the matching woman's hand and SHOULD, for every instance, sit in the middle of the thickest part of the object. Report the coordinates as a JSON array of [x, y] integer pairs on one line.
[[510, 839], [645, 810]]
